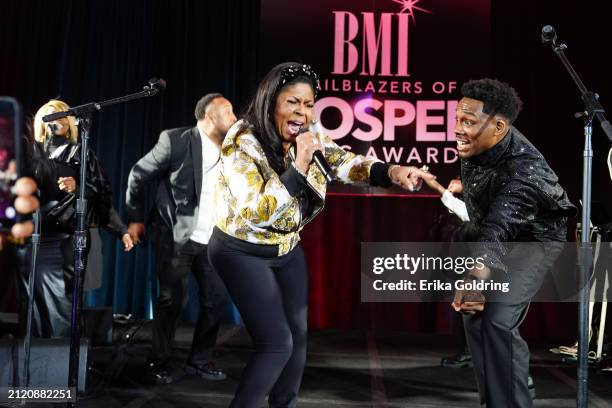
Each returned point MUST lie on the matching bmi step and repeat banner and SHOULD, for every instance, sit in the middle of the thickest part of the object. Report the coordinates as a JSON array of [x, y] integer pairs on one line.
[[390, 72]]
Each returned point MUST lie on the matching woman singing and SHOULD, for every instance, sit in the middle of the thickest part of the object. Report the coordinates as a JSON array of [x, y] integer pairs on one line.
[[268, 190], [53, 160]]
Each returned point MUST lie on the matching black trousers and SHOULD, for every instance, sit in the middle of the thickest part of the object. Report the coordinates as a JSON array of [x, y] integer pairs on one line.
[[271, 294], [499, 353], [173, 270]]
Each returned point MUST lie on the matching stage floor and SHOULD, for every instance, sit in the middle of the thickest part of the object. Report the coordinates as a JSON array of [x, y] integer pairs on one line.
[[344, 369]]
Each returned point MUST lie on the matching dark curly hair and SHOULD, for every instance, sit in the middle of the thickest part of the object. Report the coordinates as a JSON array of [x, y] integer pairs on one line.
[[497, 97]]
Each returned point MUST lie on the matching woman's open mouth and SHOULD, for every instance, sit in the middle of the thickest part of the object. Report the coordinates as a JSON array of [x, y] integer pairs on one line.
[[294, 127]]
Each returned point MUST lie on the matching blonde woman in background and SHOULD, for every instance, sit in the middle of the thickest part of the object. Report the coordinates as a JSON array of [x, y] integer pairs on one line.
[[53, 160]]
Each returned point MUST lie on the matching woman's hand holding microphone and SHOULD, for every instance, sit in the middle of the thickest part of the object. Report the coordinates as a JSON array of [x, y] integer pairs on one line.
[[306, 144]]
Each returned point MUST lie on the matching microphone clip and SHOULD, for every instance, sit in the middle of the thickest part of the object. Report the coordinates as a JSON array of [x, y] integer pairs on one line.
[[155, 85], [549, 37]]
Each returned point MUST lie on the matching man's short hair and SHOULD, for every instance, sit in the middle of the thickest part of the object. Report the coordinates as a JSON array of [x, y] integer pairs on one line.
[[202, 105], [497, 97]]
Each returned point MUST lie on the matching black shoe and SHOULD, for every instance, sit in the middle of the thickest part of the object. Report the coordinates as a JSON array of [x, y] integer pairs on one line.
[[463, 359], [208, 371], [531, 387], [157, 374]]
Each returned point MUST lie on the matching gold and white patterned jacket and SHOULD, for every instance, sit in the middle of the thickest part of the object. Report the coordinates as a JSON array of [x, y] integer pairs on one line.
[[253, 204]]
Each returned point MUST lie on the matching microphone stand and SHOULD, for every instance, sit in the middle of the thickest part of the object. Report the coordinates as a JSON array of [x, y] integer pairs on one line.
[[592, 109], [83, 115], [30, 288]]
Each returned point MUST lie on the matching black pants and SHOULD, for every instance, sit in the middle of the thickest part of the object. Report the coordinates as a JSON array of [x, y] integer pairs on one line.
[[173, 271], [499, 353], [271, 295]]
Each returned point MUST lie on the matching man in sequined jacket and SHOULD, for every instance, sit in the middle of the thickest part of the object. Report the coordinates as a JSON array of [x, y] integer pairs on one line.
[[512, 195]]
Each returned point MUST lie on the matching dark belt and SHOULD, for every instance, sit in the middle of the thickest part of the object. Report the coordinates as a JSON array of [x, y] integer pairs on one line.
[[262, 250]]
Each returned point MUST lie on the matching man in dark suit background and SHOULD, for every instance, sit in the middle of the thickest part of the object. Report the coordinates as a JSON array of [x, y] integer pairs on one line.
[[185, 163]]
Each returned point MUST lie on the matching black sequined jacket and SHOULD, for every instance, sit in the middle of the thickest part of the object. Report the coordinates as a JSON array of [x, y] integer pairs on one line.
[[512, 195]]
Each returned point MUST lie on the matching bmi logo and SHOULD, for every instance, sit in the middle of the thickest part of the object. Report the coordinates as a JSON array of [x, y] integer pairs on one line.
[[378, 38]]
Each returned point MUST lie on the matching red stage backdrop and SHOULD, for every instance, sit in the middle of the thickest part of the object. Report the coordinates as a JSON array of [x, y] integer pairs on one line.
[[390, 71], [390, 77]]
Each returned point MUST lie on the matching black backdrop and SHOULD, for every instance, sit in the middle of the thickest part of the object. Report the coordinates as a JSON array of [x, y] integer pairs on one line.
[[84, 51], [93, 50]]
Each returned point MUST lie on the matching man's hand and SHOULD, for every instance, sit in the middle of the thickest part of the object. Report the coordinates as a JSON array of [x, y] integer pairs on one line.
[[468, 301], [431, 181], [455, 186], [472, 301], [128, 243], [408, 177], [136, 230]]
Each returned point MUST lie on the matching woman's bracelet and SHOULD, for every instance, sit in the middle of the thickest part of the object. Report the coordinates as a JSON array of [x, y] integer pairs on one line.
[[298, 170]]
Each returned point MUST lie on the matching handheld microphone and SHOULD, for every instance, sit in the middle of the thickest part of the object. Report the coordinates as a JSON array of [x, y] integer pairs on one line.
[[53, 127], [549, 35], [317, 157]]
